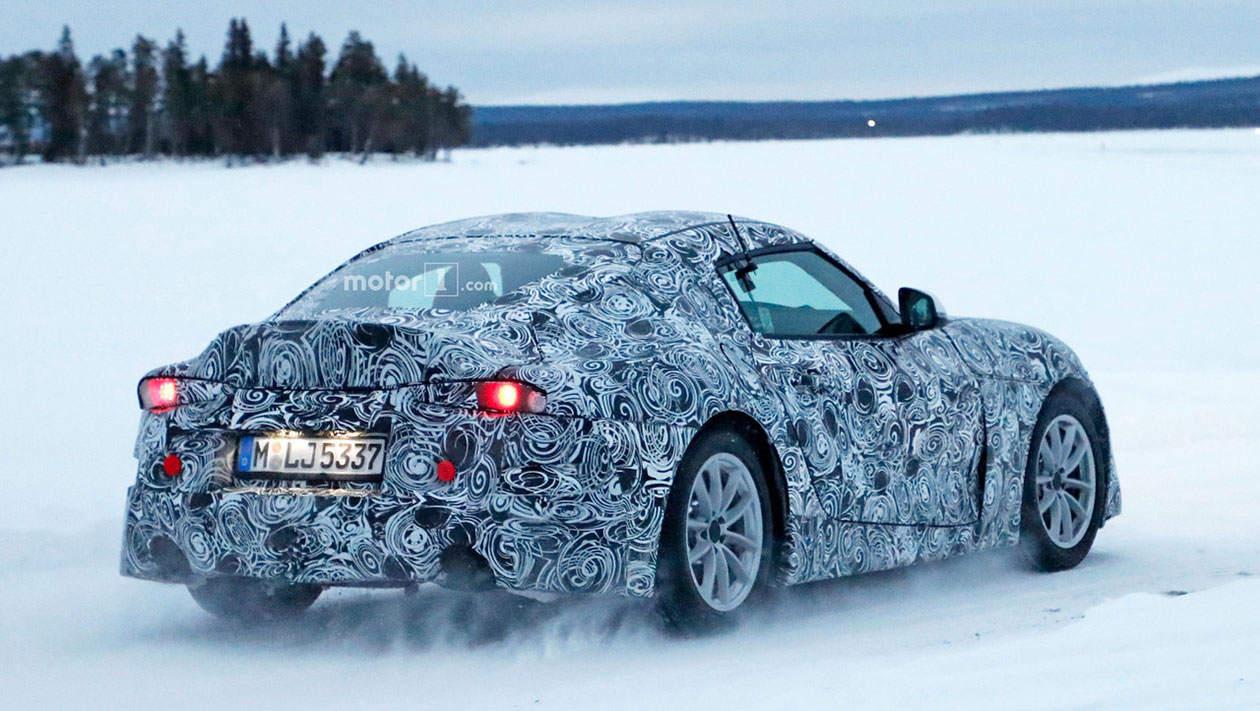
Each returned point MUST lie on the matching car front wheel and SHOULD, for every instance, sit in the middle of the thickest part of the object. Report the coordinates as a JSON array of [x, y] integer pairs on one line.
[[1064, 485]]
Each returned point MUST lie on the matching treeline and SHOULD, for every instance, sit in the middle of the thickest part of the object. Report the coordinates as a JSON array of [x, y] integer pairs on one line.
[[157, 101], [1219, 103]]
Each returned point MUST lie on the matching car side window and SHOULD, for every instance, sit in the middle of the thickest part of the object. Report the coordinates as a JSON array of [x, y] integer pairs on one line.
[[801, 293]]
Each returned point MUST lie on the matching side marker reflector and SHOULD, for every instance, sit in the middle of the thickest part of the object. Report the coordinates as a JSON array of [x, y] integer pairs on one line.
[[446, 471]]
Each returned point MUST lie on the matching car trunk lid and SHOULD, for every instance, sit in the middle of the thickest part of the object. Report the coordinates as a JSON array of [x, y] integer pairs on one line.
[[368, 351]]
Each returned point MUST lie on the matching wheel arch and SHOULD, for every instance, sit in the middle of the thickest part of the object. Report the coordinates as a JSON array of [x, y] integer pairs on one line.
[[1084, 391], [756, 435]]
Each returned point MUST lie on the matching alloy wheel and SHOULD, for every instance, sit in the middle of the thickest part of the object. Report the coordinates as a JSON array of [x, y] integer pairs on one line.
[[725, 532], [1067, 480]]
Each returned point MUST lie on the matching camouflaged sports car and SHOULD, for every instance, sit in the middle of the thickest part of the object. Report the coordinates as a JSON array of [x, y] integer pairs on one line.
[[679, 405]]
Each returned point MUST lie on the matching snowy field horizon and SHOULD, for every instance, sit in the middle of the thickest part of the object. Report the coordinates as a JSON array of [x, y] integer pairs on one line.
[[1138, 249]]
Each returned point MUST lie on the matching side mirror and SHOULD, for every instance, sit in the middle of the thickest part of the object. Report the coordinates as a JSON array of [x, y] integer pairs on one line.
[[919, 310]]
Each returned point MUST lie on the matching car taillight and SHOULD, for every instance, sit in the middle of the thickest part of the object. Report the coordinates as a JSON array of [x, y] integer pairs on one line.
[[510, 396], [159, 394]]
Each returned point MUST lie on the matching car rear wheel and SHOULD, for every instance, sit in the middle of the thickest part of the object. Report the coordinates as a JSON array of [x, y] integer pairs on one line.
[[251, 599], [1064, 485], [715, 552]]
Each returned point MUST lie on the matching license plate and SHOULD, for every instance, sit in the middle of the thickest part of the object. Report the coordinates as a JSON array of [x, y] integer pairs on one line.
[[331, 457]]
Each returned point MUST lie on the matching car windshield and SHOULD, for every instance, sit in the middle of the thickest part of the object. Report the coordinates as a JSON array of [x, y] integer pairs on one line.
[[418, 276]]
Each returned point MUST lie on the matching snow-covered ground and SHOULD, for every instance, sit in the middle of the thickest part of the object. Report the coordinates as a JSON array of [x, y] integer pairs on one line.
[[1139, 249]]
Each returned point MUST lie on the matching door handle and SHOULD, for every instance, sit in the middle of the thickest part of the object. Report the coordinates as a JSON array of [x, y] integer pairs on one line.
[[807, 379]]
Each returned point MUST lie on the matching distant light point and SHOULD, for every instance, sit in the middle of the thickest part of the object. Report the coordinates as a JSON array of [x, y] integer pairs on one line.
[[1258, 131], [871, 123]]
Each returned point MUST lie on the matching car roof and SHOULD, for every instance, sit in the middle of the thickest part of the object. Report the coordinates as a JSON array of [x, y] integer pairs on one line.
[[633, 228]]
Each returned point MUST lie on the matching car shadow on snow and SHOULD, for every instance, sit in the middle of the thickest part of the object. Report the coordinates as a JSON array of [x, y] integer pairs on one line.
[[435, 618], [387, 620]]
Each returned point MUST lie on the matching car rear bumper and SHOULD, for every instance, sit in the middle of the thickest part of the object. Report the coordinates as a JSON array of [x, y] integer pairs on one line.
[[368, 540], [542, 504]]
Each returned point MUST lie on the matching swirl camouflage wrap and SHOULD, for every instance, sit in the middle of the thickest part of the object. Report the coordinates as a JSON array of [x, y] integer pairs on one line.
[[906, 447]]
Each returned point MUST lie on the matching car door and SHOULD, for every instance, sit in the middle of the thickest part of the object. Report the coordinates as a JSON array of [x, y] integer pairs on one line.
[[887, 422], [944, 426]]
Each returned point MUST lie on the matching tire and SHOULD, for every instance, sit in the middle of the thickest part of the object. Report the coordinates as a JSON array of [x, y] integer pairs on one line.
[[1046, 546], [745, 542], [252, 599]]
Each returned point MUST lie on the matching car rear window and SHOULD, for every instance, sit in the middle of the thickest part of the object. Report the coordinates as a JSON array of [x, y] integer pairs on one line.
[[424, 276]]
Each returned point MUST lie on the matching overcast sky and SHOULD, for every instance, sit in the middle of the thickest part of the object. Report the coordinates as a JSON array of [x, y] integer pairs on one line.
[[595, 51]]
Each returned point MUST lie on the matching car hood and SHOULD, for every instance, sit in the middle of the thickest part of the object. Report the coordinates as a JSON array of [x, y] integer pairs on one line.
[[365, 348]]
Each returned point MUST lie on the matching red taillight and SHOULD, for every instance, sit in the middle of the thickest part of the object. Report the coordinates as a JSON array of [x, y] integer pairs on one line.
[[159, 394], [502, 396], [510, 396]]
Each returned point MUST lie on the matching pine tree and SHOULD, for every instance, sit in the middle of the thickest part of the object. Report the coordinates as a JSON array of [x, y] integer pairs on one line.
[[413, 126], [65, 101], [108, 107], [142, 115], [17, 82], [356, 83], [310, 96], [277, 97], [179, 101], [284, 50], [235, 93], [201, 119], [453, 120]]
